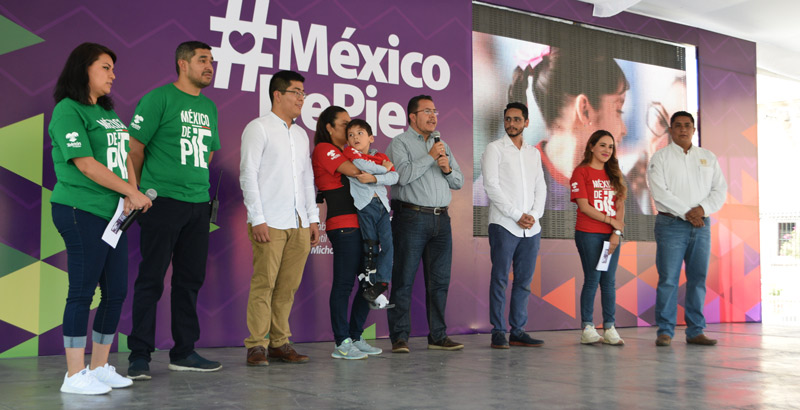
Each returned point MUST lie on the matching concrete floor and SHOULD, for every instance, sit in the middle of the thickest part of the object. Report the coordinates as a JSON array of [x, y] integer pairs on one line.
[[754, 366]]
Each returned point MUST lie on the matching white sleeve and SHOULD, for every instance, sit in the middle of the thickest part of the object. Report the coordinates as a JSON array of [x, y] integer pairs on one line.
[[254, 141]]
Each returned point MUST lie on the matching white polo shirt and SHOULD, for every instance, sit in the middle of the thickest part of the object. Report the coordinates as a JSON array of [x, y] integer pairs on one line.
[[680, 181]]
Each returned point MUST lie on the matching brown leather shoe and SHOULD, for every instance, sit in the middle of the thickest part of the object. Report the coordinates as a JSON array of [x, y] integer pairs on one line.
[[257, 356], [445, 344], [287, 354], [400, 346], [663, 340], [701, 339]]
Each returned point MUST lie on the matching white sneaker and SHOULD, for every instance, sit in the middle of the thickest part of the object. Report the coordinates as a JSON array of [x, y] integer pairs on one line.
[[590, 335], [362, 345], [348, 351], [611, 337], [108, 375], [84, 382]]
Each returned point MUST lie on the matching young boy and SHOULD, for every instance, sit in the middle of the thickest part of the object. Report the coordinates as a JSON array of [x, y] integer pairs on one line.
[[373, 211]]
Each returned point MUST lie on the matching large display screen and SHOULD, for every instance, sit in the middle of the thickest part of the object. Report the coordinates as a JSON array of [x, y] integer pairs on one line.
[[575, 80]]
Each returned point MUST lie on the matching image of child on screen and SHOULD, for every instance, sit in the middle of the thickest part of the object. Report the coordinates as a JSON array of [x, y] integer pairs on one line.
[[576, 94]]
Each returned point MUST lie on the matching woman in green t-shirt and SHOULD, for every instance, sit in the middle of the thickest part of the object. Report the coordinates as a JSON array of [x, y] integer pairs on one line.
[[90, 146]]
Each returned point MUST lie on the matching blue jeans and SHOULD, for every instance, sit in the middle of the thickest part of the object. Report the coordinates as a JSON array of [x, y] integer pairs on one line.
[[346, 263], [91, 261], [590, 246], [376, 227], [507, 249], [425, 236], [677, 241]]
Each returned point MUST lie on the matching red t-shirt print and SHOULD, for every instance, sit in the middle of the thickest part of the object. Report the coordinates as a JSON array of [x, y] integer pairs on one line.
[[595, 186]]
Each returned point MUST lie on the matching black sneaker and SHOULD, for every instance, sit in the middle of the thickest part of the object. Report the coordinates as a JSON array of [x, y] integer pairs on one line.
[[499, 341], [139, 369], [194, 363], [371, 293], [523, 339]]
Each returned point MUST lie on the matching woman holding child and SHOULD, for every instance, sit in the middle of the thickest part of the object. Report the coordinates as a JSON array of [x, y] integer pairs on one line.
[[331, 168]]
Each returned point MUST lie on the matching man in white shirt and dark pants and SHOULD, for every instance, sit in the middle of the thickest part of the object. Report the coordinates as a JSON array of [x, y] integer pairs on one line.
[[283, 219], [687, 185], [514, 181]]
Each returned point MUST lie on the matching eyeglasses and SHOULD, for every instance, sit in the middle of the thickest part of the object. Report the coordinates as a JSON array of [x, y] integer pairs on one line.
[[657, 119], [298, 93], [428, 111]]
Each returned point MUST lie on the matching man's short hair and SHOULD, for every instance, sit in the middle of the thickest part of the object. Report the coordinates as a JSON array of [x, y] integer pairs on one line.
[[185, 51], [357, 122], [520, 106], [283, 80], [680, 114], [413, 105]]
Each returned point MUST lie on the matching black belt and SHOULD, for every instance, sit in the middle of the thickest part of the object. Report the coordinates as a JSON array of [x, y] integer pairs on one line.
[[436, 210], [668, 215]]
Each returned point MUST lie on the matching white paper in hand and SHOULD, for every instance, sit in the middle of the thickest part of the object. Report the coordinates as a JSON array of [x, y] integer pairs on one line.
[[605, 258], [112, 233]]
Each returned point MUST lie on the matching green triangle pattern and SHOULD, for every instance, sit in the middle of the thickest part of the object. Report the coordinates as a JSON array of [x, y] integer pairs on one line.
[[23, 144], [19, 298], [213, 228], [95, 299], [15, 37], [369, 333], [12, 260], [51, 241], [54, 284], [29, 348], [122, 343]]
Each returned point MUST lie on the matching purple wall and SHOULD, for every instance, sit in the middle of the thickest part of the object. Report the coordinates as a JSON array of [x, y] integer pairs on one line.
[[144, 36]]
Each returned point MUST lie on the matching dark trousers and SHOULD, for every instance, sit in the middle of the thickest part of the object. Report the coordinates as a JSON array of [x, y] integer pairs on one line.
[[346, 263], [425, 236], [173, 231], [91, 261]]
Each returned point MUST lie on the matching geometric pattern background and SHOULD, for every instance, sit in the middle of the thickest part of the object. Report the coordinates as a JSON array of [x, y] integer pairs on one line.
[[33, 282]]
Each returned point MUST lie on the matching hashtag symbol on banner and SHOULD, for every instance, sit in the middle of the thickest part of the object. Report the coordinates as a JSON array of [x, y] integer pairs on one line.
[[253, 59]]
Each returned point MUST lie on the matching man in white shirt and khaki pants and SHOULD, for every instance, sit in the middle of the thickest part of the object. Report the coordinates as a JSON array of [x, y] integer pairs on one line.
[[283, 219], [687, 185]]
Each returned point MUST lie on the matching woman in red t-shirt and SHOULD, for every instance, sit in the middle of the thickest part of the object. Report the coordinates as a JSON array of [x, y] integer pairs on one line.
[[598, 187], [331, 169]]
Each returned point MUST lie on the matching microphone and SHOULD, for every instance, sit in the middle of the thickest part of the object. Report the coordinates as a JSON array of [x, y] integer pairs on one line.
[[436, 138], [151, 193]]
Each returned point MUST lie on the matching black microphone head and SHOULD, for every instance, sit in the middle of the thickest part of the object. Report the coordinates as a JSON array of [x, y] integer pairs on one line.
[[435, 136], [151, 193]]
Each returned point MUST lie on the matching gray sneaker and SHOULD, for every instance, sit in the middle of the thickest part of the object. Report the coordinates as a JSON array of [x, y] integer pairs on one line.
[[346, 350], [362, 345], [194, 363], [139, 369]]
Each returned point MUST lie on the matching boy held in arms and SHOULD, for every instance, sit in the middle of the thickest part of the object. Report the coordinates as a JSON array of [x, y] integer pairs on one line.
[[372, 203]]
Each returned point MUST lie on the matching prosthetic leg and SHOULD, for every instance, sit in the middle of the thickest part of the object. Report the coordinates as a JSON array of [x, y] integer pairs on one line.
[[372, 290]]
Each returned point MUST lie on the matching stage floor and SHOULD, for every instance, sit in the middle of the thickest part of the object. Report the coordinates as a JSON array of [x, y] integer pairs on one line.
[[753, 366]]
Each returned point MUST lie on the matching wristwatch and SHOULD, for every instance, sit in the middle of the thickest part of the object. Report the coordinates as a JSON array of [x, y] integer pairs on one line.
[[618, 232]]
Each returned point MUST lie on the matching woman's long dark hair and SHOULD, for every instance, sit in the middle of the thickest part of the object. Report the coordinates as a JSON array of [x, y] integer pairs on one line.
[[74, 79], [327, 117], [611, 166], [565, 73]]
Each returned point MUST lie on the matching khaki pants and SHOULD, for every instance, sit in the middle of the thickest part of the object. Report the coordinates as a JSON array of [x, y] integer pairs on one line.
[[277, 271]]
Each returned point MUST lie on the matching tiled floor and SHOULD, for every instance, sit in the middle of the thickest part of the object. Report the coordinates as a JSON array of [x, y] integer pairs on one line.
[[753, 366]]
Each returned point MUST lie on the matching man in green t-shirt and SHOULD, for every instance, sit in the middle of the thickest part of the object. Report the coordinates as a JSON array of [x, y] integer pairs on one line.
[[173, 137]]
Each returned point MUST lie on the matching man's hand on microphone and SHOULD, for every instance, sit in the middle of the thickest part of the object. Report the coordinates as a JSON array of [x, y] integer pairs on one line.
[[437, 150], [261, 233]]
